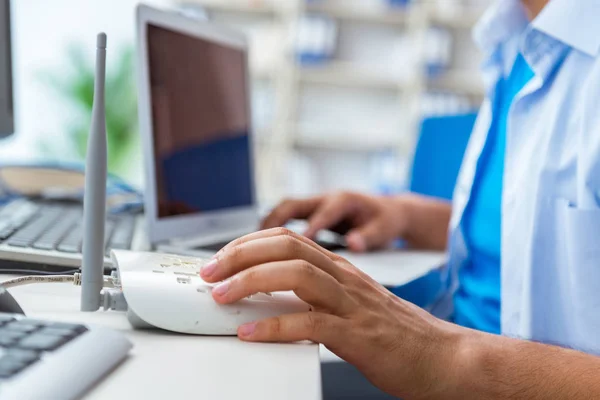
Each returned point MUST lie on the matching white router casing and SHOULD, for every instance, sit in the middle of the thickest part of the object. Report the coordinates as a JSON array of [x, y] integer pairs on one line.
[[165, 291]]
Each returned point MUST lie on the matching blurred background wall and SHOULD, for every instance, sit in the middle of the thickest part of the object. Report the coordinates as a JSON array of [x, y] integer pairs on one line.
[[340, 87]]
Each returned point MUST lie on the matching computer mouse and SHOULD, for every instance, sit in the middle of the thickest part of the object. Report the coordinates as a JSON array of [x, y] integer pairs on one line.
[[8, 304], [325, 238], [165, 291]]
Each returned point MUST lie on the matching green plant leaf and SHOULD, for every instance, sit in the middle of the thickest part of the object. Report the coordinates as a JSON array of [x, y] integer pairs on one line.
[[76, 85]]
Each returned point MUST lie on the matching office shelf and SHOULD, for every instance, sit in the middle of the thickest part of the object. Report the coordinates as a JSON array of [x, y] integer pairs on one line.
[[236, 6], [388, 17], [324, 140], [348, 75], [462, 20]]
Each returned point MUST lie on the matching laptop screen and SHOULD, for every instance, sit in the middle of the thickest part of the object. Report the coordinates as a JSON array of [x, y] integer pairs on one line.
[[201, 124]]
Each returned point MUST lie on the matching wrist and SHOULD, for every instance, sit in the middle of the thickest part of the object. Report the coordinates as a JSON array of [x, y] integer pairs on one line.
[[453, 361], [423, 221], [475, 357], [408, 208], [442, 364]]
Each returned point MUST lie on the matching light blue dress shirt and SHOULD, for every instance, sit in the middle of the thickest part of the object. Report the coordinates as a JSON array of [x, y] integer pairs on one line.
[[550, 266]]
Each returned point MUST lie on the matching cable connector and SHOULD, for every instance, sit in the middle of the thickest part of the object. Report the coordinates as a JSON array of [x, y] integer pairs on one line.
[[109, 281], [113, 300]]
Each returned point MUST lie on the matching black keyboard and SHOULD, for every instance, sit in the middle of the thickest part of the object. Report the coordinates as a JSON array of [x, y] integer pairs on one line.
[[58, 226], [24, 341]]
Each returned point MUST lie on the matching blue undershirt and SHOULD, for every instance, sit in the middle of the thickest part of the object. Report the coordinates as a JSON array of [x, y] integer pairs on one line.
[[477, 301]]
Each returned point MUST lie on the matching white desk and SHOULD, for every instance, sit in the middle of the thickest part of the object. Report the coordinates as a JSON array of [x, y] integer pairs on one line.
[[169, 366], [396, 268], [163, 365]]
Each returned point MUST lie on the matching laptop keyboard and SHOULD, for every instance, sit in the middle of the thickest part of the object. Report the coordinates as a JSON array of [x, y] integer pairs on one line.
[[55, 226], [24, 341]]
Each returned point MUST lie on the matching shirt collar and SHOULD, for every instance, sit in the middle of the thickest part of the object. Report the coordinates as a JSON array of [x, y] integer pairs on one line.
[[557, 20], [499, 23], [574, 23], [505, 29]]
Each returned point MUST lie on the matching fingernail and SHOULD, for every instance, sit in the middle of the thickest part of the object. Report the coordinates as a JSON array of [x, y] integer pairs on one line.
[[356, 242], [209, 269], [221, 289], [247, 329]]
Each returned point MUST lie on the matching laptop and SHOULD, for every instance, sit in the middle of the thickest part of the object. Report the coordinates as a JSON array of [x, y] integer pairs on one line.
[[196, 128], [195, 124]]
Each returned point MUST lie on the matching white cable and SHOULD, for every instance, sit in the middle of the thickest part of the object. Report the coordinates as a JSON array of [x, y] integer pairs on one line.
[[28, 280], [75, 279]]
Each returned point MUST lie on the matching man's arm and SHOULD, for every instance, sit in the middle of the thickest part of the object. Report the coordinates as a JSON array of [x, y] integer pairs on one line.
[[494, 367], [428, 220], [399, 347]]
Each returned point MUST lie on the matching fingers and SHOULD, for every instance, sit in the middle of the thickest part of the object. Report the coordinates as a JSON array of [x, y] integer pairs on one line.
[[373, 235], [317, 327], [330, 212], [310, 284], [282, 246], [290, 209], [270, 233]]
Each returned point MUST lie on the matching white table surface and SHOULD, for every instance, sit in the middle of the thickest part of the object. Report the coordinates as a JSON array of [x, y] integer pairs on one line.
[[170, 366], [396, 267], [163, 365]]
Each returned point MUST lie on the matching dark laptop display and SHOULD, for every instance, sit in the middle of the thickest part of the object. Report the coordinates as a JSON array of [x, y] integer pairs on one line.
[[201, 124]]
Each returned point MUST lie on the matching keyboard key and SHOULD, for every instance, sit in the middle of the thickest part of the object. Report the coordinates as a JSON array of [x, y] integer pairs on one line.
[[38, 341], [20, 326], [7, 341], [24, 213], [31, 321], [10, 367], [10, 333], [4, 318], [69, 248], [77, 328], [18, 212], [72, 242], [9, 337], [44, 245], [58, 332], [5, 224], [50, 239], [23, 356], [19, 243], [6, 229]]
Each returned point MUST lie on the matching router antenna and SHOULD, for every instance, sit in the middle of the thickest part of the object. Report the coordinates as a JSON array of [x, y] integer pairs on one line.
[[94, 201]]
